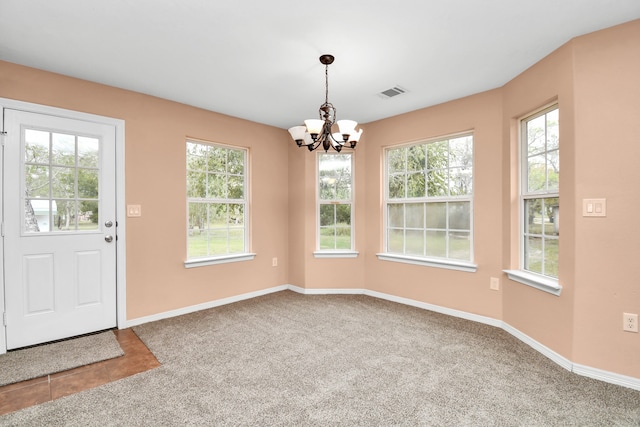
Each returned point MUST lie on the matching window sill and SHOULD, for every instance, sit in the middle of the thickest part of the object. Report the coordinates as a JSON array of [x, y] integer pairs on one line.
[[543, 283], [429, 262], [201, 262], [335, 254]]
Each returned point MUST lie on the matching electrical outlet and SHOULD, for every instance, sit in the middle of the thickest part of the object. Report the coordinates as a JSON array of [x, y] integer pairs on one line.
[[494, 284], [274, 262], [629, 322]]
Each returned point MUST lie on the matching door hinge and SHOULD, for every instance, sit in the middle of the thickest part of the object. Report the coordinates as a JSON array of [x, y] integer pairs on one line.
[[3, 137], [4, 318], [2, 229]]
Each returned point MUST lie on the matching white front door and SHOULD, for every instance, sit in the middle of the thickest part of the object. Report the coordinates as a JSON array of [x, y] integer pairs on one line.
[[59, 227]]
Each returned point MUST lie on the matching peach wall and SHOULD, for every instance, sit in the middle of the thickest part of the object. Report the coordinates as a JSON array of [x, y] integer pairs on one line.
[[594, 80], [453, 289], [544, 317], [607, 250], [323, 273], [156, 129]]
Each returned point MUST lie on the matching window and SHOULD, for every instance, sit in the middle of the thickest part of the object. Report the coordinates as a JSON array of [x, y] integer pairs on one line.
[[428, 203], [217, 201], [540, 203], [335, 202]]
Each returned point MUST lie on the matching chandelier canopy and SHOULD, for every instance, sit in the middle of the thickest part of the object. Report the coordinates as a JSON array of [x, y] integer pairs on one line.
[[319, 132]]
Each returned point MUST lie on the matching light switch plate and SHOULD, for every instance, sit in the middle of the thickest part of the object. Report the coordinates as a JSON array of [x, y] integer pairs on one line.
[[594, 207], [134, 210]]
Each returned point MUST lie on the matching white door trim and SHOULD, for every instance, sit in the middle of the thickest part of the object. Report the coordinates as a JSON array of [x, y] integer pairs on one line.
[[120, 202]]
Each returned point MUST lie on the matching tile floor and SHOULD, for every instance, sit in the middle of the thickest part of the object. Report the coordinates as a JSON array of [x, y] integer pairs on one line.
[[137, 358]]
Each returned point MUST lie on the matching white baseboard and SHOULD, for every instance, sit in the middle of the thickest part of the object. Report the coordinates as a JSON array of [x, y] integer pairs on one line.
[[606, 376], [595, 373], [540, 348], [436, 308], [204, 306]]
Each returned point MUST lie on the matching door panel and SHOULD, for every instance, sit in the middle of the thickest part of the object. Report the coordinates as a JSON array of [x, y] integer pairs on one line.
[[60, 271]]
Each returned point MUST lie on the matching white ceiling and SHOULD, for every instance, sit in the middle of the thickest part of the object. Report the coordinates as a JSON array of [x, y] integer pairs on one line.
[[258, 59]]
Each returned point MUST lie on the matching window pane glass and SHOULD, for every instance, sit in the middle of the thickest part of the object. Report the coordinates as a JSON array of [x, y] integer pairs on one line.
[[416, 185], [460, 152], [537, 167], [63, 149], [327, 238], [235, 215], [217, 215], [397, 160], [459, 215], [218, 238], [551, 257], [553, 170], [343, 238], [88, 183], [235, 161], [460, 245], [553, 129], [196, 184], [197, 244], [63, 182], [395, 241], [437, 183], [37, 216], [196, 156], [436, 244], [236, 240], [552, 216], [460, 181], [536, 135], [533, 254], [436, 215], [88, 215], [36, 148], [216, 186], [343, 215], [437, 155], [197, 218], [415, 215], [396, 215], [414, 242], [37, 181], [533, 216], [64, 215], [235, 187], [327, 215], [88, 152], [416, 158], [396, 187], [217, 160]]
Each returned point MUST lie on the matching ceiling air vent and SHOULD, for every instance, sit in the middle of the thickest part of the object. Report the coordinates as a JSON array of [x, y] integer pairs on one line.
[[390, 93]]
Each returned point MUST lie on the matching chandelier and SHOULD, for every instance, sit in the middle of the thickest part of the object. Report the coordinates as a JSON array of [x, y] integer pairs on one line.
[[318, 132]]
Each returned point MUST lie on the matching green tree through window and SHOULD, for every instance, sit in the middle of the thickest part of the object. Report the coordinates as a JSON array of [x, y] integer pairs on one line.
[[428, 199], [335, 193], [217, 200]]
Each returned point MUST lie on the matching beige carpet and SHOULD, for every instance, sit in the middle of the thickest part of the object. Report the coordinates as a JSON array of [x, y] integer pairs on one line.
[[38, 361], [293, 360]]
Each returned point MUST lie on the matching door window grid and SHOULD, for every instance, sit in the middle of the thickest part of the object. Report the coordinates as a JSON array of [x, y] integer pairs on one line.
[[60, 181]]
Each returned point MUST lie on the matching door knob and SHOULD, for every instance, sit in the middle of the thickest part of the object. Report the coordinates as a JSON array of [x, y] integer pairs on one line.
[[108, 239], [108, 224]]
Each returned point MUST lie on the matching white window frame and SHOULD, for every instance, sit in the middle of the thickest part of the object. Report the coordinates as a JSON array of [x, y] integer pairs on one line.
[[335, 253], [447, 263], [536, 280], [246, 255]]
